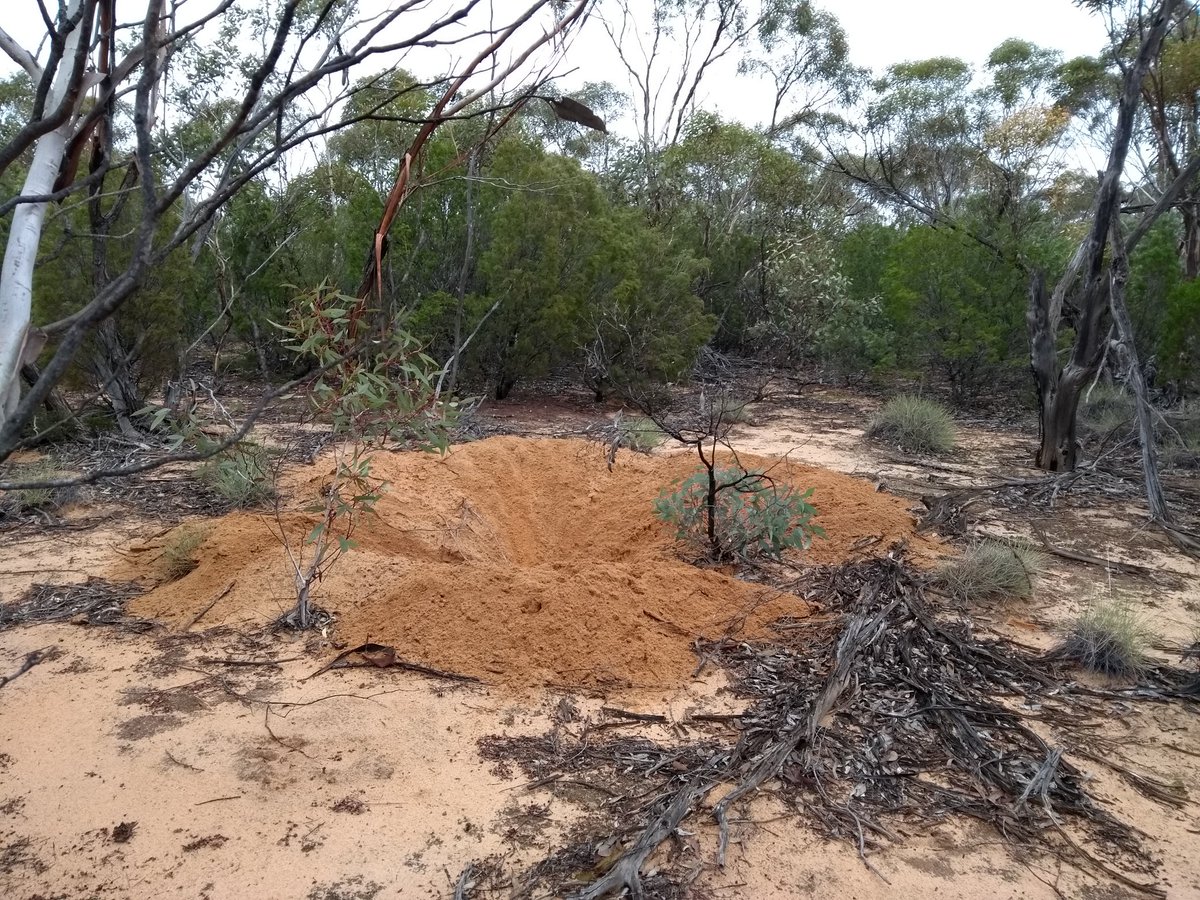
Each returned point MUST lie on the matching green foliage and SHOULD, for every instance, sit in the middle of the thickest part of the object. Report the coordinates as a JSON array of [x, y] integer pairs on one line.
[[955, 309], [812, 313], [1105, 408], [1179, 346], [641, 433], [914, 424], [372, 388], [735, 513], [991, 570], [179, 550], [369, 388], [1108, 638], [244, 475]]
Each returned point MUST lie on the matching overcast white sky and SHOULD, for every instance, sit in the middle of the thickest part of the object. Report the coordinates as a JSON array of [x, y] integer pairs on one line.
[[881, 32]]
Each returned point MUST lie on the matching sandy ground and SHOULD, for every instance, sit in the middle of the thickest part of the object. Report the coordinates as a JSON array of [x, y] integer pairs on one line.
[[145, 765]]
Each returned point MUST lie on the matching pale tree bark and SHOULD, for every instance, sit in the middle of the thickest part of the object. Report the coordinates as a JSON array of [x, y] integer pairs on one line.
[[20, 254]]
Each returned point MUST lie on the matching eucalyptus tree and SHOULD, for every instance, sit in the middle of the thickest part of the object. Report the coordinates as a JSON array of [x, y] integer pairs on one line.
[[102, 78]]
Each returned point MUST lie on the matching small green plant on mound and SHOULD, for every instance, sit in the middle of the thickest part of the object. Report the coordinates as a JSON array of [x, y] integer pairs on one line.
[[1107, 638], [991, 570], [640, 433], [243, 476], [1105, 408], [735, 513], [914, 424], [179, 551]]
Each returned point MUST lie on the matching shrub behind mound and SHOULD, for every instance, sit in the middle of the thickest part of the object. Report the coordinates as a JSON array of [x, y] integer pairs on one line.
[[913, 424]]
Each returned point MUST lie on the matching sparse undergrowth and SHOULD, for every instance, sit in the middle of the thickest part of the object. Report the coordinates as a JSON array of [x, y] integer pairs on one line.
[[1108, 638], [243, 476], [1105, 409], [1182, 450], [641, 433], [179, 550], [991, 570], [34, 499], [914, 424]]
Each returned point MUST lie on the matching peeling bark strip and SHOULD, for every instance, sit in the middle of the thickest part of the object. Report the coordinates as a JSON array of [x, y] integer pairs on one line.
[[1059, 389]]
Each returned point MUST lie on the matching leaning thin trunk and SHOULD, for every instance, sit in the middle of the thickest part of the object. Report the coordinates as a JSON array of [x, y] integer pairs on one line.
[[1127, 350], [464, 273], [1059, 389]]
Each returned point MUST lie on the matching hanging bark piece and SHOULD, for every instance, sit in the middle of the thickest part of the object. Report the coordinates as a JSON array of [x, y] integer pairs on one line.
[[573, 111]]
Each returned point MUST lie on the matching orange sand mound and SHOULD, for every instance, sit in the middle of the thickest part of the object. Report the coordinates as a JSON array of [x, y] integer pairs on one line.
[[524, 562]]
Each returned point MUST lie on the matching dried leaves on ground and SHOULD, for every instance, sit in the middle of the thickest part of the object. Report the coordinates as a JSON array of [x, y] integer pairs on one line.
[[886, 715]]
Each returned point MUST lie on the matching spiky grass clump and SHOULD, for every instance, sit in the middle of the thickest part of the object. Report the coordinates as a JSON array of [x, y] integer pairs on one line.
[[992, 570], [1106, 408], [243, 477], [1108, 638], [914, 424], [732, 411], [35, 499], [641, 434], [179, 550]]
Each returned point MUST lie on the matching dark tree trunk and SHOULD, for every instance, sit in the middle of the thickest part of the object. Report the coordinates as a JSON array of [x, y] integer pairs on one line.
[[1059, 389], [1191, 239]]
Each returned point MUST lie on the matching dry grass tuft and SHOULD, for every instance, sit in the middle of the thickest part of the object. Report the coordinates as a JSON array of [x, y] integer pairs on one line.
[[991, 570], [1108, 638], [914, 424], [179, 550], [641, 434]]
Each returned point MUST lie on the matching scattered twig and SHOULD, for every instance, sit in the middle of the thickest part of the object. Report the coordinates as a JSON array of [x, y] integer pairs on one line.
[[219, 799], [211, 603], [182, 764]]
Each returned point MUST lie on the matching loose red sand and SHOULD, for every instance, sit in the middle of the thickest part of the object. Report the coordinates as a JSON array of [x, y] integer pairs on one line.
[[523, 562]]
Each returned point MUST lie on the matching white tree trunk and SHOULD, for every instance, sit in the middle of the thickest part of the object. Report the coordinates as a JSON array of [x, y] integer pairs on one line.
[[25, 235]]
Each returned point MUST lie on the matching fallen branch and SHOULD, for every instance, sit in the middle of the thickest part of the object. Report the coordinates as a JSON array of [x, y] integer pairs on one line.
[[381, 656]]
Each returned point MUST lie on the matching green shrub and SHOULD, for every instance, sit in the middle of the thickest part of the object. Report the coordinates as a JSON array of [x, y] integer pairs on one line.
[[990, 570], [243, 475], [1107, 638], [179, 550], [641, 433], [1105, 408], [913, 424], [752, 516]]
